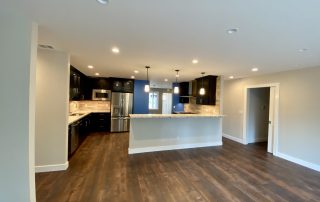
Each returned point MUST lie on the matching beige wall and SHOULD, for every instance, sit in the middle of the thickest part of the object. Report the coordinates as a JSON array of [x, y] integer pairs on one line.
[[52, 100], [299, 111], [18, 39]]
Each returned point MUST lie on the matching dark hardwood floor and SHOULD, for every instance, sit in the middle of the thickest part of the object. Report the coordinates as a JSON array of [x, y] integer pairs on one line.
[[101, 170]]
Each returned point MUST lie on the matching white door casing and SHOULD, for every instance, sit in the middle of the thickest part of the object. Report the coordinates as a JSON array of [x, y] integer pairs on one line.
[[273, 116], [271, 119]]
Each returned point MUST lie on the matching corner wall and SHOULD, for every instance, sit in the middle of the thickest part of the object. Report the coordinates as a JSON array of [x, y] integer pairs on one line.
[[52, 99], [299, 137], [18, 39]]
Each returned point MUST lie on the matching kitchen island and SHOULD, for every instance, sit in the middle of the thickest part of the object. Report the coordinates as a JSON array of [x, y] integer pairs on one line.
[[159, 132]]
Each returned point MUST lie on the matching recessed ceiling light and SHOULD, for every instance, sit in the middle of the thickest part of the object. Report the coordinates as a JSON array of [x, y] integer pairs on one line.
[[90, 66], [136, 71], [232, 31], [132, 77], [97, 74], [231, 77], [254, 69], [195, 61], [303, 50], [115, 50], [166, 80], [103, 1]]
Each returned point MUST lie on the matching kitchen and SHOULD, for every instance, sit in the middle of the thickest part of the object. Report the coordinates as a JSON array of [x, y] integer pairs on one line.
[[113, 105], [60, 128]]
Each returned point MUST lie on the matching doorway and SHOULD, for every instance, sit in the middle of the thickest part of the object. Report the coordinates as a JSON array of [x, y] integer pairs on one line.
[[166, 103], [160, 101], [261, 115]]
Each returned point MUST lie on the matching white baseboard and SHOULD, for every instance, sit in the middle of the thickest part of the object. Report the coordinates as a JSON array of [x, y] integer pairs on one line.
[[172, 147], [299, 161], [51, 168], [236, 139]]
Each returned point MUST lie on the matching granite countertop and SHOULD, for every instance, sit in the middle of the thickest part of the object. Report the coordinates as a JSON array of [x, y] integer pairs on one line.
[[81, 114], [142, 116]]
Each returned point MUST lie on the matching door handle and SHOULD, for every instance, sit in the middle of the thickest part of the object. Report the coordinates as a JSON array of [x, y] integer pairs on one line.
[[270, 122]]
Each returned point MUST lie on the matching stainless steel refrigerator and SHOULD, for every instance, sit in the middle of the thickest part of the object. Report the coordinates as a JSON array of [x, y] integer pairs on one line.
[[121, 107]]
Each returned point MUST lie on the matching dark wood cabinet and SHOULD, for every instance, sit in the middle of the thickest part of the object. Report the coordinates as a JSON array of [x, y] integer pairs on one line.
[[184, 88], [128, 86], [81, 86], [194, 88], [101, 83], [78, 84], [209, 84], [100, 121], [122, 85], [117, 86], [79, 130], [96, 83], [184, 92]]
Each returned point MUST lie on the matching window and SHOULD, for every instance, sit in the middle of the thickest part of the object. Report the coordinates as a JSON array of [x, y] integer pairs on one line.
[[154, 100]]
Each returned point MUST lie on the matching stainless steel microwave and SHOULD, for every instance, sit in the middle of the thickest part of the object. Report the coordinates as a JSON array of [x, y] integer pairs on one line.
[[101, 94]]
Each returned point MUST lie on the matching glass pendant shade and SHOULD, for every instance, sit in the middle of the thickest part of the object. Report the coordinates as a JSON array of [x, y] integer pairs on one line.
[[147, 88], [176, 90], [202, 91]]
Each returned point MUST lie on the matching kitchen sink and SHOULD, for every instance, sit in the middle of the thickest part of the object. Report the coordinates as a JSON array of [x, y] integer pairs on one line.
[[76, 114]]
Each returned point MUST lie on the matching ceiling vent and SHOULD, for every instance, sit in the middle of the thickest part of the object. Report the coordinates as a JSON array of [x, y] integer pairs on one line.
[[45, 46]]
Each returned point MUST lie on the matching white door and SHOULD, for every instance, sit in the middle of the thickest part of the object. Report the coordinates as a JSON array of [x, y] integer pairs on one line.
[[271, 120], [166, 103]]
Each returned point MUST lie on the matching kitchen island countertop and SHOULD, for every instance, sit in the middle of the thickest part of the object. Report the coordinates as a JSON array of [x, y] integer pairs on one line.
[[141, 116]]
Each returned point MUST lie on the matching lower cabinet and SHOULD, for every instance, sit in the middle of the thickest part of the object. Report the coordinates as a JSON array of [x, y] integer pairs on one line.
[[79, 130], [100, 121]]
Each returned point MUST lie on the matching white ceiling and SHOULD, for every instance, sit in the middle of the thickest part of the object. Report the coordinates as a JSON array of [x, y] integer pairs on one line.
[[168, 34]]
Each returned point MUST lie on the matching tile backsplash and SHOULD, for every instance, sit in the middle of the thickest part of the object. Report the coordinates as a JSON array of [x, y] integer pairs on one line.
[[76, 106], [201, 109], [205, 109]]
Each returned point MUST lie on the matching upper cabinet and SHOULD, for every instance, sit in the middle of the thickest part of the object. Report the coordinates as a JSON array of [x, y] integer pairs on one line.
[[96, 83], [184, 88], [184, 92], [122, 85], [128, 86], [101, 83], [77, 84], [209, 84], [81, 86]]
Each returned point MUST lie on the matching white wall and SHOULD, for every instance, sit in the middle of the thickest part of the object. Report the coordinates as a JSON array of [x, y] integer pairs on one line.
[[52, 110], [299, 111], [167, 133], [258, 114], [18, 39]]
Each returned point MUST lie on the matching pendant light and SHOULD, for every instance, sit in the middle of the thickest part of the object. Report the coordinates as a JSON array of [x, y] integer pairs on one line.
[[176, 88], [202, 90], [147, 86]]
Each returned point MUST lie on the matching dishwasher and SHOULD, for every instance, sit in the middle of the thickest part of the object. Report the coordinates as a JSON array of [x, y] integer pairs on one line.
[[73, 137]]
